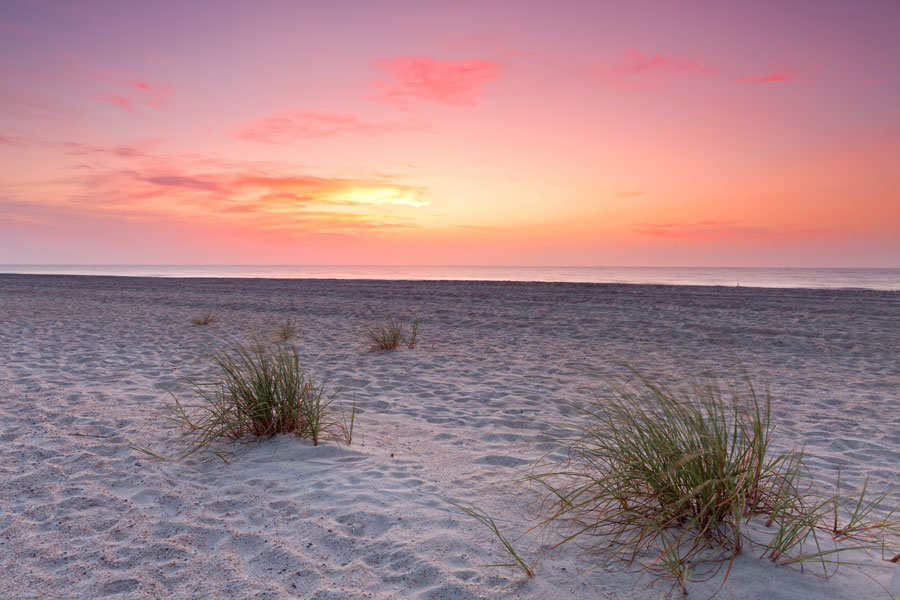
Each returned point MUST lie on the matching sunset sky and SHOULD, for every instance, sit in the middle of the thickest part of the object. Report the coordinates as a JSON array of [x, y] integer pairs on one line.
[[450, 133]]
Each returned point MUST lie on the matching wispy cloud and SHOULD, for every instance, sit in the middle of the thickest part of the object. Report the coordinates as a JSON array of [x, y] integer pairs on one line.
[[116, 100], [13, 137], [129, 96], [185, 182], [334, 191], [412, 79], [141, 149], [131, 183], [7, 28], [715, 230], [25, 104], [636, 62], [154, 95], [699, 230], [773, 77], [637, 70], [305, 124], [629, 194]]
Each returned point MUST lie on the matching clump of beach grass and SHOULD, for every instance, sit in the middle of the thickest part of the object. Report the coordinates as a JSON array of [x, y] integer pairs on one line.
[[204, 319], [681, 481], [386, 335], [288, 329], [259, 390], [390, 333]]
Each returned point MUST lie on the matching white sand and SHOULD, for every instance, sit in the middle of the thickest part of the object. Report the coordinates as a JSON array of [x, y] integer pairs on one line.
[[86, 364]]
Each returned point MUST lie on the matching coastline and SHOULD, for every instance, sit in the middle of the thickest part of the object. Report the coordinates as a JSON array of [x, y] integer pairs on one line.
[[776, 278], [114, 281], [88, 361]]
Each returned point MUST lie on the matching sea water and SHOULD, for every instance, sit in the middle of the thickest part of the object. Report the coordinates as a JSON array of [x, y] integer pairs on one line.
[[876, 279]]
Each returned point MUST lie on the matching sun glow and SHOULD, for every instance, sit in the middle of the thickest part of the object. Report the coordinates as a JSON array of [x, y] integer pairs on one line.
[[378, 196]]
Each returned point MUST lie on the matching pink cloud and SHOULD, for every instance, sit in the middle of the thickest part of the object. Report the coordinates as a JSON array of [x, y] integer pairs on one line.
[[135, 150], [14, 29], [154, 95], [14, 138], [425, 79], [123, 88], [115, 100], [184, 182], [130, 96], [773, 77], [304, 124], [22, 103], [636, 62], [638, 70]]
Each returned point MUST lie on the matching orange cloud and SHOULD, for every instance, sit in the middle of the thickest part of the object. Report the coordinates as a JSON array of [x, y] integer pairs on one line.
[[244, 199], [425, 79], [349, 192], [773, 77], [185, 182], [712, 230], [303, 124]]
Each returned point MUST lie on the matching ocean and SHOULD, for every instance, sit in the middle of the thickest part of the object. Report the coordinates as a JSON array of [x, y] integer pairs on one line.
[[876, 279]]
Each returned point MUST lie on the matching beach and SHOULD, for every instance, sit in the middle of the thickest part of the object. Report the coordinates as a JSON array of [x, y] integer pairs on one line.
[[88, 365]]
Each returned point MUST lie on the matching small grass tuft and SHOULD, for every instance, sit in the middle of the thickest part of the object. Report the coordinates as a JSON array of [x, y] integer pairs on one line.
[[204, 319], [681, 481], [413, 339], [347, 423], [518, 561], [288, 329], [387, 335], [258, 390]]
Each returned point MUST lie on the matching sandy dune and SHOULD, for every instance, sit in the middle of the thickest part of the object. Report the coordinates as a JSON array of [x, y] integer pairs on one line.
[[86, 365]]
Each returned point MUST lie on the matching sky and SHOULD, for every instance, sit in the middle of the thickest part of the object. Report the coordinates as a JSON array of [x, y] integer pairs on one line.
[[450, 133]]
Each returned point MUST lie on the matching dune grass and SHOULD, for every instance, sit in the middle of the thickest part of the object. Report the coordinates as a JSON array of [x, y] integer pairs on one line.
[[204, 319], [681, 481], [390, 333], [288, 329], [413, 340], [259, 390], [518, 560], [386, 335]]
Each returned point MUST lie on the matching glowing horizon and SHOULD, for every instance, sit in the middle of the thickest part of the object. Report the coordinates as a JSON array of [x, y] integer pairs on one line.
[[472, 134]]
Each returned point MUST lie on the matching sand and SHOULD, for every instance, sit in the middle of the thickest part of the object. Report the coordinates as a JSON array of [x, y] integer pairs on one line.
[[87, 364]]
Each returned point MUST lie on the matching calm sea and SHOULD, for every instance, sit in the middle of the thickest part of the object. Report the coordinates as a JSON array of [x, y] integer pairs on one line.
[[876, 279]]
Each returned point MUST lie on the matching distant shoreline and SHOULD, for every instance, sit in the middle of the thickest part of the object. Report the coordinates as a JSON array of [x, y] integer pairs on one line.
[[887, 279], [149, 279]]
